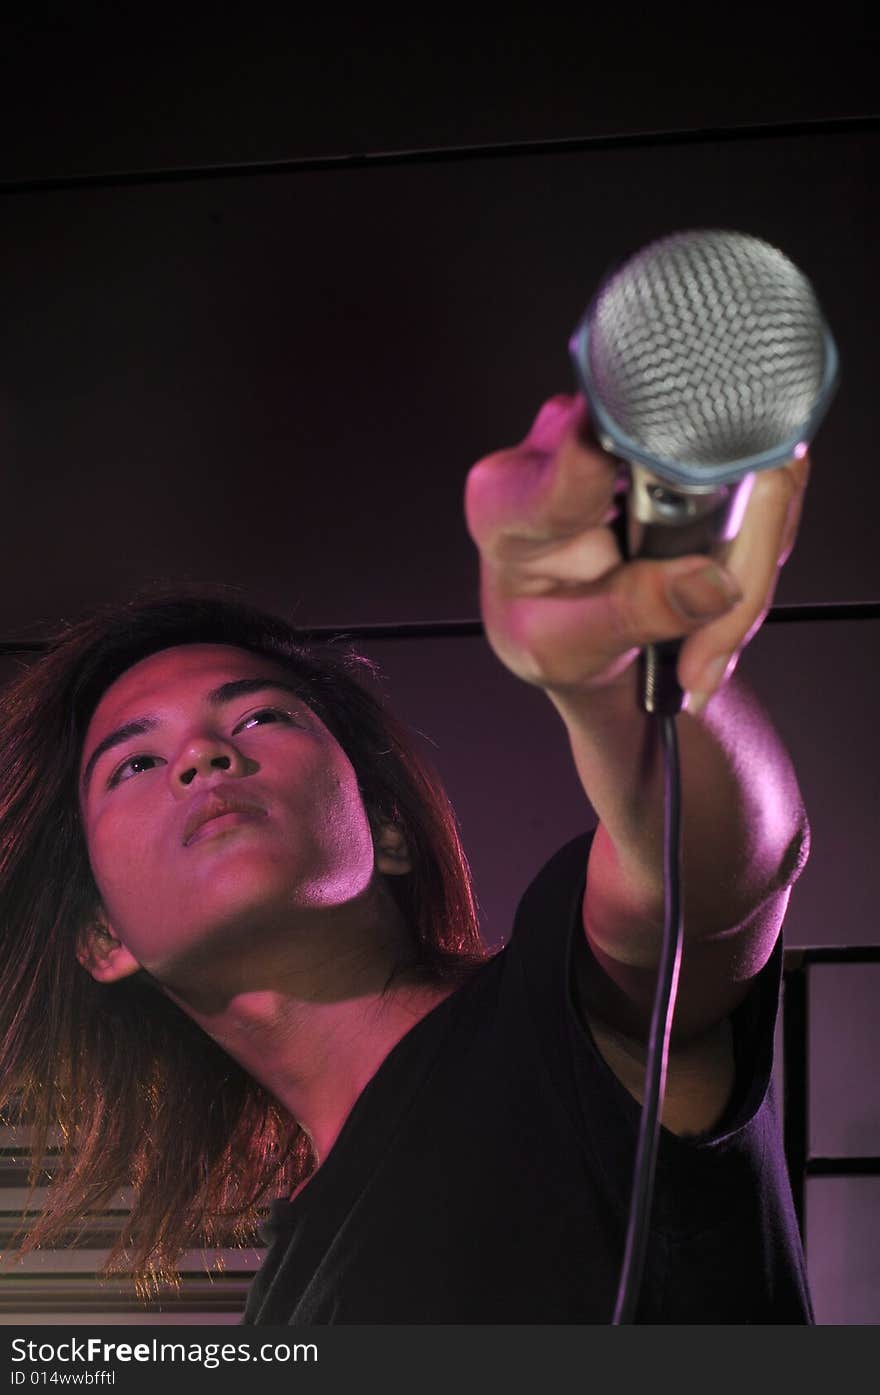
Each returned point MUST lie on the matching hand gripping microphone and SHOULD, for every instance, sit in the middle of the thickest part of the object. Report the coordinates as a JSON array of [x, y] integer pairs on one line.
[[704, 358]]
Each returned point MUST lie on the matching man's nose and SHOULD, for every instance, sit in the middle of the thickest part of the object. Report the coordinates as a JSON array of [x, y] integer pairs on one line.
[[204, 755]]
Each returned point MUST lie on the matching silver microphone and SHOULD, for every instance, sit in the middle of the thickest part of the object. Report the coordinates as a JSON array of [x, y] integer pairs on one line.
[[704, 358]]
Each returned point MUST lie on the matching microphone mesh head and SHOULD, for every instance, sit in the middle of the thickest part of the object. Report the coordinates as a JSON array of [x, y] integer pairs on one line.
[[707, 347]]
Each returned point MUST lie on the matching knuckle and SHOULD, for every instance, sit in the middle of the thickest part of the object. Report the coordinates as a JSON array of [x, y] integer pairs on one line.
[[624, 610], [779, 486], [484, 486]]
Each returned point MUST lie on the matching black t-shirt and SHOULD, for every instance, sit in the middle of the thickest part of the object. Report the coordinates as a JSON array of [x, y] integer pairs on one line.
[[484, 1173]]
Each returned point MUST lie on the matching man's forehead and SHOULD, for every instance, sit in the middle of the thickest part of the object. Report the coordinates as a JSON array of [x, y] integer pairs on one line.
[[171, 671]]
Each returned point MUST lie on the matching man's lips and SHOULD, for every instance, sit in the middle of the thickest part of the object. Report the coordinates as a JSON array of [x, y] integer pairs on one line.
[[214, 805]]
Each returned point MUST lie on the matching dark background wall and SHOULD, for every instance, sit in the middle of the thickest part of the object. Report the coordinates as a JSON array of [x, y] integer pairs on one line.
[[271, 286]]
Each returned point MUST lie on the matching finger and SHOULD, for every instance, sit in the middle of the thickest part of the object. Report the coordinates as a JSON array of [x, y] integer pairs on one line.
[[801, 473], [552, 485], [754, 558], [572, 632]]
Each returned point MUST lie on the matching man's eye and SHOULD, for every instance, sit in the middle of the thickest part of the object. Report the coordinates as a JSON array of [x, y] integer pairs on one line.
[[133, 766], [263, 714]]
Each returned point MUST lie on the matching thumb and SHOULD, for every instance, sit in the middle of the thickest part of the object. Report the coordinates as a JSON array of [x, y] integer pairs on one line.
[[575, 634], [656, 600]]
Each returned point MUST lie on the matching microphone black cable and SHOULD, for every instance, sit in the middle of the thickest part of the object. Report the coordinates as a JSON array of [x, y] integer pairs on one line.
[[704, 358], [633, 1265]]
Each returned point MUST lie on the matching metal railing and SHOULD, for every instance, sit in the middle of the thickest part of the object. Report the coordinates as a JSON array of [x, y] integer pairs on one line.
[[802, 1163]]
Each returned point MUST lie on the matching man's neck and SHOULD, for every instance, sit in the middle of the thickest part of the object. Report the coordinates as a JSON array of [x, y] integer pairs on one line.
[[311, 1015]]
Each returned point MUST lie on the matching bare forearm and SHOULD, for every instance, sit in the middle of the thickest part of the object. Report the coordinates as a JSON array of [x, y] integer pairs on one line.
[[565, 611], [744, 827]]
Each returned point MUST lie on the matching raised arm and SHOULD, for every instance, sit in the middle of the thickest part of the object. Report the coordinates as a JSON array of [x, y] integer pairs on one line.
[[563, 611]]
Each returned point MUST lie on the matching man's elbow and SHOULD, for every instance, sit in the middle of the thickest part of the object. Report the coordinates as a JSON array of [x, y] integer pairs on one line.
[[796, 855]]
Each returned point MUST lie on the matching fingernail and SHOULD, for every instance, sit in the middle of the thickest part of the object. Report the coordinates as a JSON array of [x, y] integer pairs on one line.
[[715, 672], [696, 702], [703, 592], [711, 680]]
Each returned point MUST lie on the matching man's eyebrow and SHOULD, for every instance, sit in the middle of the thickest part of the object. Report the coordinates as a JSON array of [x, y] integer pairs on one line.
[[217, 697], [137, 727], [243, 687]]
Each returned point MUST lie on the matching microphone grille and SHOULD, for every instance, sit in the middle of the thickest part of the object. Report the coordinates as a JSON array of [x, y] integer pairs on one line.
[[707, 347]]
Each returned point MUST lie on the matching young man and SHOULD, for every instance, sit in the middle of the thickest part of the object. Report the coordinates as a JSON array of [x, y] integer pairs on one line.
[[280, 990]]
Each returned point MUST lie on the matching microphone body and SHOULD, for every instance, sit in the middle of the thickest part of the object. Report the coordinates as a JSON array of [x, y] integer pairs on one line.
[[664, 522]]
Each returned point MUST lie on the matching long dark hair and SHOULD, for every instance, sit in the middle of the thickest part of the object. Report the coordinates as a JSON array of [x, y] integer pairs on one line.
[[142, 1098]]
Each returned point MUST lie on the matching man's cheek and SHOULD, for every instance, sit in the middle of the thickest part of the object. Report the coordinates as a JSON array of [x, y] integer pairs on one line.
[[126, 886]]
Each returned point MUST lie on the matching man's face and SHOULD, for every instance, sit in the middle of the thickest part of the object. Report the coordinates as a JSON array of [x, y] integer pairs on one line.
[[220, 809]]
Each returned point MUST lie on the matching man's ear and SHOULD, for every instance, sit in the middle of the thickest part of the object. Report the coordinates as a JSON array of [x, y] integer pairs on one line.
[[103, 954], [392, 851]]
